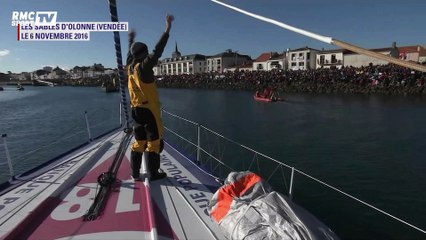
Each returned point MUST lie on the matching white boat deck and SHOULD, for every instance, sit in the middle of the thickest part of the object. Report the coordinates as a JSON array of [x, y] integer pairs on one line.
[[51, 203]]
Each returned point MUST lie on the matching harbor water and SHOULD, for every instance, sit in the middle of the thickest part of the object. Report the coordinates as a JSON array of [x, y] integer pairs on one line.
[[369, 146]]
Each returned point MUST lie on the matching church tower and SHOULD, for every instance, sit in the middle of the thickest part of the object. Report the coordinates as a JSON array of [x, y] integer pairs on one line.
[[176, 53]]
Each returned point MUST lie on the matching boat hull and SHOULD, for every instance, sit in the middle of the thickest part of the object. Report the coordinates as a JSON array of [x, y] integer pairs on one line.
[[263, 99], [51, 203]]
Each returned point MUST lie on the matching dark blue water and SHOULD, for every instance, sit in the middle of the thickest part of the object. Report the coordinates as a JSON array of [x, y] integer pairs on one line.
[[369, 146], [43, 122]]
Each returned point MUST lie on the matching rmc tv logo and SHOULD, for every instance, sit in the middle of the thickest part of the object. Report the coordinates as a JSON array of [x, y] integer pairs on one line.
[[31, 17]]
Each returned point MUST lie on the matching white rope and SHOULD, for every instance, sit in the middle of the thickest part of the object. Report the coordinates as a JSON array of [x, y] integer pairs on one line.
[[279, 24]]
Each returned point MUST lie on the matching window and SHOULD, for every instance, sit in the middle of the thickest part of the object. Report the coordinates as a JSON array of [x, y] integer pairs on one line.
[[259, 66], [308, 55], [322, 59], [333, 58], [218, 62]]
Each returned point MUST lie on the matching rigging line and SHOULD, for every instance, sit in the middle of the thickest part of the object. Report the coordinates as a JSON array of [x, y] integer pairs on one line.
[[122, 76], [106, 180], [329, 40], [196, 165], [24, 179], [44, 146], [362, 202], [15, 210]]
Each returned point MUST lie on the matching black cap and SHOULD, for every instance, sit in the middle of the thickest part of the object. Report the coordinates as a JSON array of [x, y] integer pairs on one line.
[[139, 49]]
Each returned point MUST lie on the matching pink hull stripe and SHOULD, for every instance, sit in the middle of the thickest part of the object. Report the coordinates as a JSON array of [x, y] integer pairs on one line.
[[58, 217]]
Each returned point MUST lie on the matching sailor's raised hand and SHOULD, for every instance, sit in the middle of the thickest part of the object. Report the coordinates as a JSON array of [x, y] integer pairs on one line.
[[169, 20]]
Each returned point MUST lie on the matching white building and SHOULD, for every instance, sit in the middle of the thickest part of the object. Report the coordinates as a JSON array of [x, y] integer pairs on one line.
[[330, 59], [189, 64], [277, 62], [226, 60], [178, 64], [358, 60], [302, 58], [264, 61], [415, 53], [248, 66], [341, 57]]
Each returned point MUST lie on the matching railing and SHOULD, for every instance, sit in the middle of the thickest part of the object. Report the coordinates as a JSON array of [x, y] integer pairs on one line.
[[220, 155], [10, 160]]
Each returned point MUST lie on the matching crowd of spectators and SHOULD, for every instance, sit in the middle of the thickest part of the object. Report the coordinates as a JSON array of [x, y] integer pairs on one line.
[[387, 79]]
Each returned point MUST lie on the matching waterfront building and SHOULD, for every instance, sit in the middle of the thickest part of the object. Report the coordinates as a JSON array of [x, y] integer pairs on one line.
[[225, 60], [278, 62], [248, 66], [23, 76], [157, 69], [337, 58], [188, 64], [414, 53], [178, 64], [95, 70], [298, 59], [358, 60], [77, 72], [302, 58], [40, 74], [261, 62], [330, 58]]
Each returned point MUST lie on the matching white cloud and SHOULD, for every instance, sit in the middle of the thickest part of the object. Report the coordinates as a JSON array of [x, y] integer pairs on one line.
[[4, 52]]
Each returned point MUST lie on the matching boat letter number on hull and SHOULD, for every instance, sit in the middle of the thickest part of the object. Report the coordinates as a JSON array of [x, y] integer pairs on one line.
[[79, 199]]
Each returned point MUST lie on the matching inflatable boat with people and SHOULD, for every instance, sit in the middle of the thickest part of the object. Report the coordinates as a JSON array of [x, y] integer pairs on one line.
[[267, 95]]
